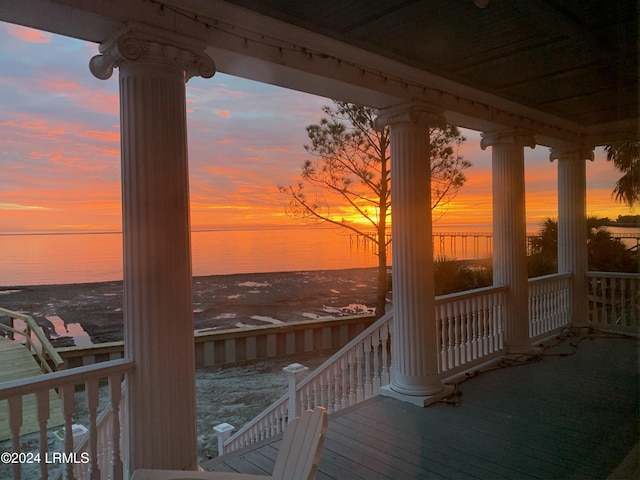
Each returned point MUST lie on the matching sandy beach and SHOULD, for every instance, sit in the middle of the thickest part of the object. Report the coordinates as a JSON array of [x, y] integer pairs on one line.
[[219, 301]]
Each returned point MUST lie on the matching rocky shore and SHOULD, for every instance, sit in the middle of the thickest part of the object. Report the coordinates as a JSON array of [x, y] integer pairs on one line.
[[219, 301], [233, 395]]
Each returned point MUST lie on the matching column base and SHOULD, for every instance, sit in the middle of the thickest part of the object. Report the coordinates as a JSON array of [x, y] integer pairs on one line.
[[419, 400]]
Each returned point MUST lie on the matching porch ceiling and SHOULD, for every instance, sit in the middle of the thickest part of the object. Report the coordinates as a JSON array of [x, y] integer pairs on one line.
[[566, 70], [577, 60]]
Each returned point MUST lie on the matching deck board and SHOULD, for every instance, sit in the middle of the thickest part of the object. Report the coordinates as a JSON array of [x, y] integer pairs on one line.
[[571, 416], [17, 363]]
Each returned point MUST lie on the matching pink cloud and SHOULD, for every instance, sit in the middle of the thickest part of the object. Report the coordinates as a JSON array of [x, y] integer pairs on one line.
[[100, 135], [223, 113], [268, 149], [29, 34]]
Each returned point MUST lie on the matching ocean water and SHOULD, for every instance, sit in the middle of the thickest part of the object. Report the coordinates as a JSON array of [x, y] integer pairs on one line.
[[97, 257]]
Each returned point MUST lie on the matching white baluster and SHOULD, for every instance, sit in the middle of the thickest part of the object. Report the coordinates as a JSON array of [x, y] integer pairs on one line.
[[468, 327], [485, 327], [68, 405], [384, 376], [550, 294], [603, 300], [535, 310], [359, 372], [117, 467], [442, 336], [495, 322], [375, 343], [15, 424], [42, 399], [368, 389], [593, 309], [457, 325], [91, 389], [345, 383], [336, 386], [309, 396], [317, 393], [331, 393], [477, 318], [613, 294], [450, 337], [324, 401]]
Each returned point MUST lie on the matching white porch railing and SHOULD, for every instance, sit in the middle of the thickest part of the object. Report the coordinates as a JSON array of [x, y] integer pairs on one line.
[[549, 304], [614, 301], [107, 430], [65, 460], [356, 372], [470, 327]]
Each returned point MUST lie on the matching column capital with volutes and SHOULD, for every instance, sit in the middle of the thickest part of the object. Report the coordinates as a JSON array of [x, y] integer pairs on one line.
[[415, 112], [571, 153], [507, 137], [136, 42]]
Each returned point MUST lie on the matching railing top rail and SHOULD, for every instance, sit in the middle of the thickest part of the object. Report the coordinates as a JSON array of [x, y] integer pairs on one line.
[[476, 292], [37, 331], [64, 377], [552, 276], [12, 314], [632, 276]]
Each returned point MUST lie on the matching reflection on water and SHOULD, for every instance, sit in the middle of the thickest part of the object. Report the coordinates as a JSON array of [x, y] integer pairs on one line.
[[80, 258], [74, 330]]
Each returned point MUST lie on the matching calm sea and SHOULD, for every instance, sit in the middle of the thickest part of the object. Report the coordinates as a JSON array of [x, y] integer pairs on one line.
[[81, 258]]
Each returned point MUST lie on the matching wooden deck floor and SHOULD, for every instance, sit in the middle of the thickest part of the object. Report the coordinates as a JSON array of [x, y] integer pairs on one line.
[[573, 416], [16, 362]]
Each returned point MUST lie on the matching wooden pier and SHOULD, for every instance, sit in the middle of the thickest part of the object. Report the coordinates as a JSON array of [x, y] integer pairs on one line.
[[18, 363]]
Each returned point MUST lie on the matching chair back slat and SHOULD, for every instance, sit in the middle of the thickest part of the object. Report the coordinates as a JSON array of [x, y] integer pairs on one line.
[[302, 445]]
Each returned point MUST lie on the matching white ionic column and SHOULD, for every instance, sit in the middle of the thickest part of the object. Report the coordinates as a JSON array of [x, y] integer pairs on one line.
[[572, 224], [510, 230], [414, 339], [158, 318]]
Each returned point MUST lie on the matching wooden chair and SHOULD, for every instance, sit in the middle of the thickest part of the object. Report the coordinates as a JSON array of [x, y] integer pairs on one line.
[[297, 459]]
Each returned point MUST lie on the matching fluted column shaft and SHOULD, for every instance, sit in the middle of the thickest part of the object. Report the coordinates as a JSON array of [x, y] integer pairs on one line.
[[158, 311], [572, 224], [415, 359], [510, 231]]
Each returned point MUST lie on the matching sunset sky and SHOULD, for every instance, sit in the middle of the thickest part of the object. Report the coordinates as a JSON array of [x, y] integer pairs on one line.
[[60, 150]]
